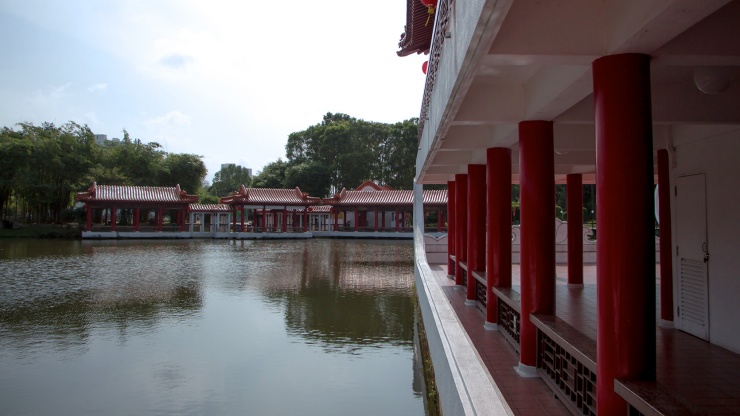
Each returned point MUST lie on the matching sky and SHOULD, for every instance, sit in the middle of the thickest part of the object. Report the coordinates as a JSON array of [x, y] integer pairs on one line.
[[226, 80]]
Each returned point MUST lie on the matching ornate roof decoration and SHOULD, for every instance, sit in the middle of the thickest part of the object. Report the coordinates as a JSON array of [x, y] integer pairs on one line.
[[126, 193], [209, 208], [385, 197], [269, 196], [417, 35]]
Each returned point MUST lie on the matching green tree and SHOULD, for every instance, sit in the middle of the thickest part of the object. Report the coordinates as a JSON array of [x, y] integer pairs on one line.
[[228, 180], [187, 170], [312, 177], [272, 176]]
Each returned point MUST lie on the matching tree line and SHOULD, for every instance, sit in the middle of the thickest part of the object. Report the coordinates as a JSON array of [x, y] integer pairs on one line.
[[342, 152], [41, 167]]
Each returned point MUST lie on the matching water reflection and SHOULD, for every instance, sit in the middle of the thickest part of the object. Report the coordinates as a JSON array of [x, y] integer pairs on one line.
[[58, 292], [208, 327]]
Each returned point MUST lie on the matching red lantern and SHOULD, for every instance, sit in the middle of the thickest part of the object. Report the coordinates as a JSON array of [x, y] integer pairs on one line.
[[431, 5], [424, 66]]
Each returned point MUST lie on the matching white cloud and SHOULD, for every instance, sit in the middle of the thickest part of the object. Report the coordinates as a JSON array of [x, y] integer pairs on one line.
[[98, 88], [172, 118]]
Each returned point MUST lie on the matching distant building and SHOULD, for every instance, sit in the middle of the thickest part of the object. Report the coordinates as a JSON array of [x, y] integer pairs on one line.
[[101, 138]]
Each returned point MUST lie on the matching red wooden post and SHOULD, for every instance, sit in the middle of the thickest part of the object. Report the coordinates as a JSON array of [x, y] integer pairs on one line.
[[376, 220], [664, 215], [113, 218], [498, 237], [450, 227], [160, 222], [476, 241], [537, 191], [574, 205], [625, 251], [89, 210], [461, 221]]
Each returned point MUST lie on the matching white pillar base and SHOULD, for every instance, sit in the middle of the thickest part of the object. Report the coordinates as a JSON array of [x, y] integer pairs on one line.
[[460, 287], [470, 302], [526, 371], [575, 285], [665, 324], [490, 326]]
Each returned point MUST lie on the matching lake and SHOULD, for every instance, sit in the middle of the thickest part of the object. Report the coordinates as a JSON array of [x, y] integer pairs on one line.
[[216, 327]]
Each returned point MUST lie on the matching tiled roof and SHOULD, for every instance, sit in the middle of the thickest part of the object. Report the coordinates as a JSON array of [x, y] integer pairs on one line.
[[319, 209], [417, 36], [209, 208], [386, 198], [269, 196], [124, 193]]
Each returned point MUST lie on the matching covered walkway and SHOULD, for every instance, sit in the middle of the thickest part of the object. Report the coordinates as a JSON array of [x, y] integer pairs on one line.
[[692, 375]]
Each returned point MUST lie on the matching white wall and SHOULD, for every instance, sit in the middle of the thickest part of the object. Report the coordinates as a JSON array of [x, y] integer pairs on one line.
[[716, 153]]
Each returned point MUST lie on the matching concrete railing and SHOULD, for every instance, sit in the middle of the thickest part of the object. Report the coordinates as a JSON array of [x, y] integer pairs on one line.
[[463, 383]]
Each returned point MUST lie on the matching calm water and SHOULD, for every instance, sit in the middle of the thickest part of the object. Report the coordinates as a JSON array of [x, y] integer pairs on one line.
[[318, 327]]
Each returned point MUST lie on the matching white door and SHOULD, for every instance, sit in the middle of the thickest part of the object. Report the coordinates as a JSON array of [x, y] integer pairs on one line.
[[692, 256]]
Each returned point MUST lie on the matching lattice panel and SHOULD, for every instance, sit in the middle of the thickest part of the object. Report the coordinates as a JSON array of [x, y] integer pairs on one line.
[[480, 292], [570, 376], [508, 320]]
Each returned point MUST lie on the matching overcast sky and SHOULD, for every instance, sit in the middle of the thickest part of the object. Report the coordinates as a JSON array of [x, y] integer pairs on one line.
[[228, 80]]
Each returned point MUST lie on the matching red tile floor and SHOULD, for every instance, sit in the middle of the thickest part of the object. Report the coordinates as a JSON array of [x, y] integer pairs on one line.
[[703, 375]]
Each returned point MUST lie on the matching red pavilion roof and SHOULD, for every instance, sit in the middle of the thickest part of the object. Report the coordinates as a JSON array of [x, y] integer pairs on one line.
[[125, 193], [385, 197], [417, 36], [209, 208], [269, 196]]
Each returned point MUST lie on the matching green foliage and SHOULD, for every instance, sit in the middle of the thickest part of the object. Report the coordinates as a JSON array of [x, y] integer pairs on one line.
[[228, 180], [353, 151], [312, 177], [41, 168], [272, 176]]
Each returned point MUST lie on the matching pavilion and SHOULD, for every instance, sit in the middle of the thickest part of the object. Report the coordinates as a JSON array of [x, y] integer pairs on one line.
[[119, 208], [621, 94], [373, 207]]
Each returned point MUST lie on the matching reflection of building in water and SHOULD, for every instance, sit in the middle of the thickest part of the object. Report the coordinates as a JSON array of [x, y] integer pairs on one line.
[[355, 294]]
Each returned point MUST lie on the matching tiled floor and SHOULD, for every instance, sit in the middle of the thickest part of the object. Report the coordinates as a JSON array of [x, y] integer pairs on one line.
[[702, 375]]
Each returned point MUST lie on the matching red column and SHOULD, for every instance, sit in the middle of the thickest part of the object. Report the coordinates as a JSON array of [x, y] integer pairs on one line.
[[625, 251], [498, 237], [137, 214], [160, 221], [461, 219], [574, 206], [89, 210], [450, 227], [476, 241], [336, 221], [233, 222], [285, 219], [397, 220], [113, 218], [664, 216], [376, 220], [537, 192], [242, 224]]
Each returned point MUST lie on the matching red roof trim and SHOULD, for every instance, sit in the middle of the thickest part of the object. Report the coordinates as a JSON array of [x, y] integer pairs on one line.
[[417, 36]]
